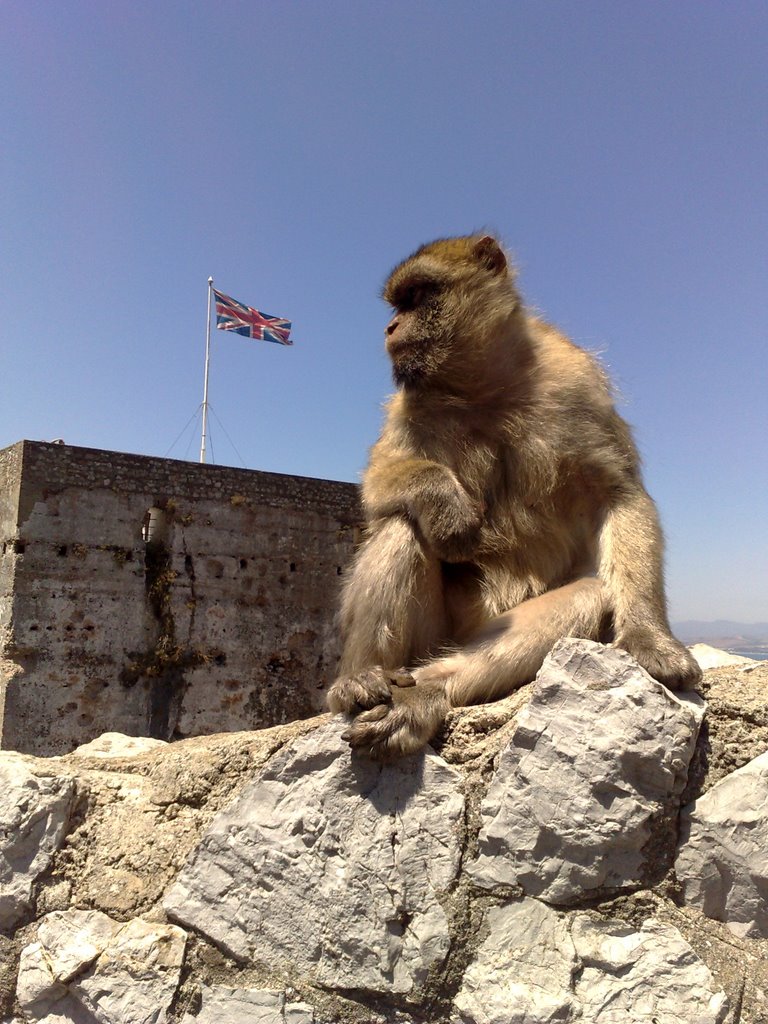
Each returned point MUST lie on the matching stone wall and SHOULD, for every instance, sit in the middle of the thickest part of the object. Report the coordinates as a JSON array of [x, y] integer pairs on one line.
[[162, 598], [592, 849]]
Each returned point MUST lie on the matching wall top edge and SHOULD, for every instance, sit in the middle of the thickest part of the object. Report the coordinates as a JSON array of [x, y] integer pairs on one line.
[[52, 466]]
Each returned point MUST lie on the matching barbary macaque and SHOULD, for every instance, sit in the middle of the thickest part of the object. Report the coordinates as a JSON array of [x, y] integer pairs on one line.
[[504, 509]]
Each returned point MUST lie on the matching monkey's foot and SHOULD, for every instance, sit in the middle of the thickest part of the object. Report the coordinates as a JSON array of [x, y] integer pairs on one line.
[[350, 695], [662, 657], [402, 725]]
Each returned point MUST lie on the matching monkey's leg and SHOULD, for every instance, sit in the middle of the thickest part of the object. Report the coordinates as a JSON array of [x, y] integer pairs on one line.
[[631, 548], [505, 654], [509, 651], [392, 614]]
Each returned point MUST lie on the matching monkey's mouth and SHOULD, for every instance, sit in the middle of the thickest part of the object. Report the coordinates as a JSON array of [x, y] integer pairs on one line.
[[398, 348]]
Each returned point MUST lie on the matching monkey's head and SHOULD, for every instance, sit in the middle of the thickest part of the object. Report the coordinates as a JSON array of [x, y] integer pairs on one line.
[[455, 302]]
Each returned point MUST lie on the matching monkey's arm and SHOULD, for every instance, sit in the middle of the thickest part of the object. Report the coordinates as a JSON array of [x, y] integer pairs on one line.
[[630, 565], [429, 494]]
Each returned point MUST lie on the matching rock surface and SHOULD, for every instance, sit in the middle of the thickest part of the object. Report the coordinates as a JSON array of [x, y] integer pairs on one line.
[[331, 866], [34, 813], [619, 744], [539, 965], [86, 967], [221, 1005], [650, 973], [713, 657], [523, 971], [310, 887], [115, 744], [723, 857]]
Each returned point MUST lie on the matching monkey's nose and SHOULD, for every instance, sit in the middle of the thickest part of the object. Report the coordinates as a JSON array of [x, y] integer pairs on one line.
[[392, 326]]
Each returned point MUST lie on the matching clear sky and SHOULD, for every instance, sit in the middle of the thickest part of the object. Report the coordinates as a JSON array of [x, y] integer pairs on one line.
[[295, 151]]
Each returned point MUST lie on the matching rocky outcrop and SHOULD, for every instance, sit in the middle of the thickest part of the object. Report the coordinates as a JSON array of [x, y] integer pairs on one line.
[[84, 966], [723, 858], [34, 814], [331, 867], [589, 849], [538, 965], [619, 746]]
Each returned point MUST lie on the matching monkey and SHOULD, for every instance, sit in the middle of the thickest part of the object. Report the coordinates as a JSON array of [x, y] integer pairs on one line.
[[504, 509]]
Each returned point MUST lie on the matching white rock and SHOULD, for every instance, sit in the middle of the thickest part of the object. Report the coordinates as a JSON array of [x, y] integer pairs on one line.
[[117, 744], [722, 861], [331, 866], [523, 972], [34, 814], [646, 975], [713, 657], [221, 1005], [600, 749], [68, 942], [136, 977], [85, 967], [37, 981], [538, 966], [298, 1013]]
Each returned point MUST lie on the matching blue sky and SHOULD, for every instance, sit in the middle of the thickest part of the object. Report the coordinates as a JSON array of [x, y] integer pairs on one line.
[[296, 151]]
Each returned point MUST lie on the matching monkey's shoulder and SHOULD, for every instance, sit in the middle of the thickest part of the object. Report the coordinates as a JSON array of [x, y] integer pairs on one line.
[[562, 364]]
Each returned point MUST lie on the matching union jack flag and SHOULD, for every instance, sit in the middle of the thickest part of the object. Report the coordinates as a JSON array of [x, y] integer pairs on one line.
[[234, 316]]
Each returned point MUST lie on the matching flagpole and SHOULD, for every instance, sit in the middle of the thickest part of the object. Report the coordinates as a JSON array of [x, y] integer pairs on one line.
[[207, 363]]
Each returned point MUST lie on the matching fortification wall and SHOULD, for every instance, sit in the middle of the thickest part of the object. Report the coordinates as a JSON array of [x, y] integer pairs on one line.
[[163, 598], [10, 479]]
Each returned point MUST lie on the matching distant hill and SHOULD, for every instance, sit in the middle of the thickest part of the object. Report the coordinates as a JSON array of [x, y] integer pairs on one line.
[[695, 629], [747, 638]]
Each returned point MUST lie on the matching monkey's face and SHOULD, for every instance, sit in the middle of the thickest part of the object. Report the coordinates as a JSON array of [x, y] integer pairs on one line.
[[415, 337], [448, 298]]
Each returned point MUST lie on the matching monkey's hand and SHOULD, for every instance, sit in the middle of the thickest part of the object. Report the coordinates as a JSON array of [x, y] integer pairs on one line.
[[431, 495], [401, 726], [663, 657], [350, 695], [450, 524]]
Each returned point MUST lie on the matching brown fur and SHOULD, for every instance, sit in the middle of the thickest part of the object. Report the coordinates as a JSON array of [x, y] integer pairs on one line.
[[505, 510]]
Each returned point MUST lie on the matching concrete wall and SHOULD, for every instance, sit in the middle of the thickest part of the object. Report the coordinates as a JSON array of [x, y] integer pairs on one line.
[[213, 613]]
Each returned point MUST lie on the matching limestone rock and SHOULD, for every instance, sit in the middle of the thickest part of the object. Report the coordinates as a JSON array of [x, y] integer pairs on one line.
[[67, 943], [600, 750], [722, 862], [87, 968], [34, 814], [713, 657], [343, 878], [647, 974], [523, 973], [538, 966], [117, 744], [331, 866], [145, 815], [221, 1005]]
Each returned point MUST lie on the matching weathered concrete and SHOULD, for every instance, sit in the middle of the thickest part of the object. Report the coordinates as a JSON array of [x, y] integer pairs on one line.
[[161, 598]]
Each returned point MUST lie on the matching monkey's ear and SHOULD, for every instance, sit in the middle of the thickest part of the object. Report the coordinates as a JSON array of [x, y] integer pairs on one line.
[[488, 251]]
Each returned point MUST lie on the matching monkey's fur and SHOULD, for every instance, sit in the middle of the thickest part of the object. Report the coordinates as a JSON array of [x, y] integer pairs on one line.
[[504, 510]]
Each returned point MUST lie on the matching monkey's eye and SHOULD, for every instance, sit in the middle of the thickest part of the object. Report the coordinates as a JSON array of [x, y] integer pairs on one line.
[[413, 296], [407, 301]]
